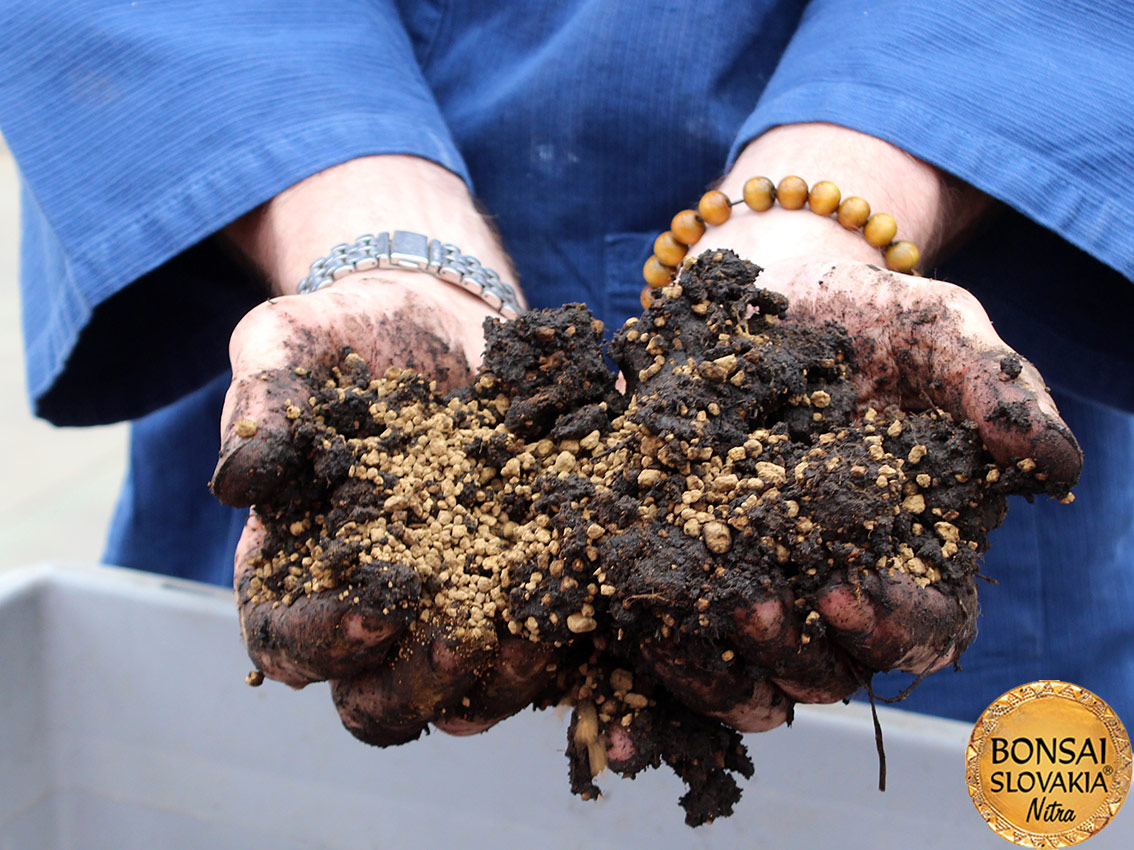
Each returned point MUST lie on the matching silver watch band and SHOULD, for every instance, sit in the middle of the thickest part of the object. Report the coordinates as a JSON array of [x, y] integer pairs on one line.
[[406, 250]]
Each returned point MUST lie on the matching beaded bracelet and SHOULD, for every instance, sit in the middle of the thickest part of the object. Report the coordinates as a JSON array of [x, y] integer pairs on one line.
[[714, 208]]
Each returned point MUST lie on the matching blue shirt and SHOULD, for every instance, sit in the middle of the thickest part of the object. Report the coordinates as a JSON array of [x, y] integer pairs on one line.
[[143, 128]]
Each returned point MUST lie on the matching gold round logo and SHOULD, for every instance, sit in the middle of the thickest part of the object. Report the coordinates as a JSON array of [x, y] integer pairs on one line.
[[1048, 764]]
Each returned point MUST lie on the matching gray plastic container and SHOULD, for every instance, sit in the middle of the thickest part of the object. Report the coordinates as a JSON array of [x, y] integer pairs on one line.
[[127, 724]]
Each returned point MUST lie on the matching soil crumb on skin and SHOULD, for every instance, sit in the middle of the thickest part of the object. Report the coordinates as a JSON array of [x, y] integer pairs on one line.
[[541, 503]]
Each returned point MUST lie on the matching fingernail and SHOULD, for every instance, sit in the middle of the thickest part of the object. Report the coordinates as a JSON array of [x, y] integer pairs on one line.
[[229, 483]]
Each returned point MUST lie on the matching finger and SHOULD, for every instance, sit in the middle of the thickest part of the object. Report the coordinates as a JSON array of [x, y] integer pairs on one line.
[[518, 673], [887, 621], [283, 348], [394, 704], [257, 452], [1018, 420], [813, 673], [765, 621], [764, 707], [705, 754], [267, 347], [593, 746], [727, 691], [324, 635], [806, 667]]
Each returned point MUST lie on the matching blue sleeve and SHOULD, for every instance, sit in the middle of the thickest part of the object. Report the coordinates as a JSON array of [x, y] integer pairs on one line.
[[142, 128], [1027, 100]]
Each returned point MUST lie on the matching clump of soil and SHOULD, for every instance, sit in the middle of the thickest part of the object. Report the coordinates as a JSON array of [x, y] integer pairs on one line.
[[542, 503]]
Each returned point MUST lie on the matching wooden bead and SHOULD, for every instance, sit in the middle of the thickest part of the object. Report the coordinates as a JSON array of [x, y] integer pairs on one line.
[[760, 193], [792, 193], [668, 250], [880, 230], [647, 297], [686, 227], [714, 207], [853, 212], [902, 257], [824, 197], [656, 273]]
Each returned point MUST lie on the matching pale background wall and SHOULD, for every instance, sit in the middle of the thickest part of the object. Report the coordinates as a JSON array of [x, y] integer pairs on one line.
[[57, 485]]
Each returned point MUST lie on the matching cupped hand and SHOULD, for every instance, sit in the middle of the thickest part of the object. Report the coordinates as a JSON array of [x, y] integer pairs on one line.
[[918, 344], [386, 684]]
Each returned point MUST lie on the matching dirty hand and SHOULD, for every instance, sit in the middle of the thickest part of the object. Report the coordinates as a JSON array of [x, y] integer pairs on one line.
[[918, 343], [389, 318]]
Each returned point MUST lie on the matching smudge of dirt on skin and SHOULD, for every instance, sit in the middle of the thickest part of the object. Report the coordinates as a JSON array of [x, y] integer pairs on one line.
[[421, 349], [621, 531], [1012, 414]]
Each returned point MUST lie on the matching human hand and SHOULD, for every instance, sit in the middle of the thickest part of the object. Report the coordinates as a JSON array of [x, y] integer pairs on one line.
[[918, 343], [389, 318]]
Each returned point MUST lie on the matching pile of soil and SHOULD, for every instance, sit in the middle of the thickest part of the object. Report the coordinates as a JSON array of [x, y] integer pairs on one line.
[[541, 502]]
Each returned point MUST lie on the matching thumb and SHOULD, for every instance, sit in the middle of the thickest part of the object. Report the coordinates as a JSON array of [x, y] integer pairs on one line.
[[268, 383], [1016, 417]]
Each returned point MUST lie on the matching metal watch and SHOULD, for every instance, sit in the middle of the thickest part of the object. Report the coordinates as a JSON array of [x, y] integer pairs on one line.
[[405, 250]]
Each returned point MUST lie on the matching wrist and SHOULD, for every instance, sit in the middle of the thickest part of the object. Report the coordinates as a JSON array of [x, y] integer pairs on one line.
[[402, 286], [774, 235], [285, 235], [931, 207]]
